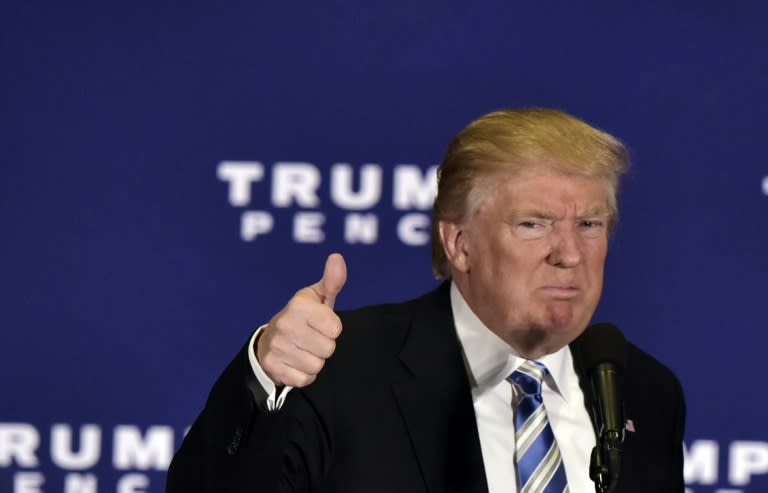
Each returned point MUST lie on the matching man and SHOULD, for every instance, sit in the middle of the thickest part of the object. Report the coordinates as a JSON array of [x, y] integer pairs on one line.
[[427, 396]]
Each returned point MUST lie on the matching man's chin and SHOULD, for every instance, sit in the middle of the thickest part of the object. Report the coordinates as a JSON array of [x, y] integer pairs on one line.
[[554, 333], [562, 318], [544, 332], [539, 341]]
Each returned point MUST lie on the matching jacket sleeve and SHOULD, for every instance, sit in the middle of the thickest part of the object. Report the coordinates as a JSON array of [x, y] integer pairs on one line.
[[235, 445], [677, 441]]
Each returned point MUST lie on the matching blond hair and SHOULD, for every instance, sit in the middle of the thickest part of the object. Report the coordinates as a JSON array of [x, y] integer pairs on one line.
[[511, 140]]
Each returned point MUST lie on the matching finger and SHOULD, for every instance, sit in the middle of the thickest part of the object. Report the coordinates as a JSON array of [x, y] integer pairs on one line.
[[294, 378], [326, 323], [315, 343], [305, 312], [334, 277], [287, 364], [315, 332], [303, 361]]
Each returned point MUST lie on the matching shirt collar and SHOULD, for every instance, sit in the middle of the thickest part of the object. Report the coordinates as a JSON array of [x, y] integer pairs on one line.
[[490, 360]]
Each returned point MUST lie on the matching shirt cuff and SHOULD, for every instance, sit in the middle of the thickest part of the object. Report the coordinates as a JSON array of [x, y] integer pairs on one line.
[[274, 401]]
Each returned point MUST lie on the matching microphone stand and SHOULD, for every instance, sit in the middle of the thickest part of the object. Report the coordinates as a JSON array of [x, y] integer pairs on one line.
[[605, 463]]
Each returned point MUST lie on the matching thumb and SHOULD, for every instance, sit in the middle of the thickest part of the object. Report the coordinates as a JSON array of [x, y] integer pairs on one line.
[[334, 277]]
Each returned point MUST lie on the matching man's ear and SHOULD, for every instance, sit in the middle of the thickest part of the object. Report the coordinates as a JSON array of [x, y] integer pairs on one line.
[[453, 238]]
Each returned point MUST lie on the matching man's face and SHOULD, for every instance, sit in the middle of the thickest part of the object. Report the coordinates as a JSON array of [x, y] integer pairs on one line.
[[530, 259]]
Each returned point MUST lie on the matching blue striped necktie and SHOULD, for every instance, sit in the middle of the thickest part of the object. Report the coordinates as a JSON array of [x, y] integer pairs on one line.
[[539, 465]]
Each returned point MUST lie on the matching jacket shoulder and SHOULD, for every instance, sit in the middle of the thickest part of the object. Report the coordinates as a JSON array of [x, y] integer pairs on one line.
[[387, 325], [647, 374]]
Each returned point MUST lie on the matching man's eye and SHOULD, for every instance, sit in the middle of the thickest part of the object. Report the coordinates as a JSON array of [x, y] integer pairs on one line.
[[530, 230], [592, 228]]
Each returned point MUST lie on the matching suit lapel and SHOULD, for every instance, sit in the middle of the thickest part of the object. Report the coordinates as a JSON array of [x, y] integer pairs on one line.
[[436, 403]]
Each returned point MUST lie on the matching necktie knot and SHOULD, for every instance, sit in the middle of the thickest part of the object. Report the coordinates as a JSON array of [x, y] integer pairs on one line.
[[529, 377]]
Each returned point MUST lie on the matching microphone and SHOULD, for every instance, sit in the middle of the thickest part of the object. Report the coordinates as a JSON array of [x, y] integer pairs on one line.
[[600, 354]]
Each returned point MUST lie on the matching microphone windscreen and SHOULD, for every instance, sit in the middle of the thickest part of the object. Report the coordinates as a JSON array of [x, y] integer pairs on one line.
[[600, 343]]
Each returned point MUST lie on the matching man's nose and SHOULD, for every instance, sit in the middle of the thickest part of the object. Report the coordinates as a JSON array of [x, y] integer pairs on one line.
[[566, 248]]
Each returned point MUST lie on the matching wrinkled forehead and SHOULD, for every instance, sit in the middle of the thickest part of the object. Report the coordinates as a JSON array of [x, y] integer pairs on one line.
[[545, 186]]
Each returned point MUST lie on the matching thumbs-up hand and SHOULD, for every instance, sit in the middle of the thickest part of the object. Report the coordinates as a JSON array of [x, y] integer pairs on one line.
[[293, 347]]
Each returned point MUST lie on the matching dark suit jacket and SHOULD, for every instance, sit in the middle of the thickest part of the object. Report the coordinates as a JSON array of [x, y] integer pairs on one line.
[[392, 411]]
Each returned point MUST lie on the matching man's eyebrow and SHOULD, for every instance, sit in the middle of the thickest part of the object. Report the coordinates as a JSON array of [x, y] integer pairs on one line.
[[534, 213], [596, 211]]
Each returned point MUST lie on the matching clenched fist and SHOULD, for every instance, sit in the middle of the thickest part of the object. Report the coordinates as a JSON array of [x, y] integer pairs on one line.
[[293, 347]]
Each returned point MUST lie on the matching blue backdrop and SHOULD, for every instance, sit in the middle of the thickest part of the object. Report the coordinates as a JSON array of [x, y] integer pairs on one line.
[[134, 261]]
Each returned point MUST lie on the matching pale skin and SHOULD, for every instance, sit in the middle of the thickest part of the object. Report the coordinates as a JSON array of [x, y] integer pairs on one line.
[[293, 347], [529, 260]]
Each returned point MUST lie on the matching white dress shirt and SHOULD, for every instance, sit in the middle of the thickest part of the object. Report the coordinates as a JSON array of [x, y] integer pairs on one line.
[[489, 361], [273, 400]]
